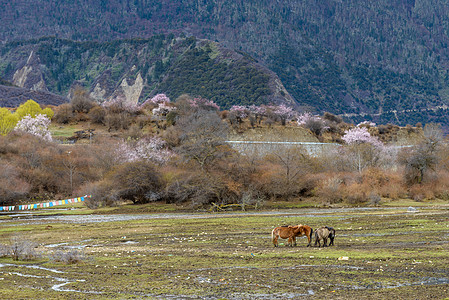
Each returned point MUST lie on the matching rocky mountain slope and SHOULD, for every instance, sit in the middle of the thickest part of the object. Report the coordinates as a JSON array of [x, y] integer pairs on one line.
[[138, 68]]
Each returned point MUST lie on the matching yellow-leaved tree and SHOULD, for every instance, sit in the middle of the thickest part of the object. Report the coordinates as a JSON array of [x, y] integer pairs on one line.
[[30, 108], [8, 121]]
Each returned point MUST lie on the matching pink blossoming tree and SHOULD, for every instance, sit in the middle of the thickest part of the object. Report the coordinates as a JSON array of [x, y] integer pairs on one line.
[[365, 150], [157, 100], [314, 123], [282, 112], [163, 109], [237, 113], [360, 135], [204, 104]]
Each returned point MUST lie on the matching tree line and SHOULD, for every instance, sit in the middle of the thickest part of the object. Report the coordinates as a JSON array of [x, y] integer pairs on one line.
[[176, 151]]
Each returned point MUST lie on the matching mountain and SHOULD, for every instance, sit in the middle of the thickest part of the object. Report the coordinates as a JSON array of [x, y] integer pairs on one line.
[[139, 68], [366, 58]]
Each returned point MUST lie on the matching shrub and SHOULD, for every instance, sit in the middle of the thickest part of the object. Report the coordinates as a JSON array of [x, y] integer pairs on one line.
[[29, 108], [120, 104], [332, 118], [315, 124], [22, 249], [417, 192], [48, 112], [198, 188], [68, 257], [81, 101], [97, 115], [356, 194], [374, 199], [141, 121], [12, 187], [330, 190], [4, 250], [101, 192], [64, 114], [137, 181], [7, 121], [252, 197], [117, 121]]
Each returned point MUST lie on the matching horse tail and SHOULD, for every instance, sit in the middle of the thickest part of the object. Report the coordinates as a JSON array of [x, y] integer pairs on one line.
[[311, 233], [274, 236]]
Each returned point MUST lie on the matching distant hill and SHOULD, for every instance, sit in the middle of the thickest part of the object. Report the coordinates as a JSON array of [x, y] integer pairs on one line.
[[11, 96], [355, 56], [139, 68]]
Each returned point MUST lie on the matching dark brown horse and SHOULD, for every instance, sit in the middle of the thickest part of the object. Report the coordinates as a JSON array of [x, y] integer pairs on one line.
[[324, 233], [290, 233]]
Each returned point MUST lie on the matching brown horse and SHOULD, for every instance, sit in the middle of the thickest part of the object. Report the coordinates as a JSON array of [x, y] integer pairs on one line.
[[290, 233]]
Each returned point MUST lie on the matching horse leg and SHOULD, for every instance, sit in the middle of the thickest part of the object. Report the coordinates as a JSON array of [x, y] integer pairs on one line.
[[290, 241], [309, 239], [325, 242], [294, 241]]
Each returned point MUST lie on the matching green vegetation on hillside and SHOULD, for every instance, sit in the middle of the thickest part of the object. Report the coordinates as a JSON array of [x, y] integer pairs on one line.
[[170, 65], [226, 83]]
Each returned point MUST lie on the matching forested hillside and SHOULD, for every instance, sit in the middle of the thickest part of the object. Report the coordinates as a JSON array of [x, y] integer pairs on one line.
[[352, 56], [138, 68]]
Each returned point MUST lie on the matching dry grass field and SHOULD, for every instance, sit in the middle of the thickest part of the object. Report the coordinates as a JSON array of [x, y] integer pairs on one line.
[[379, 253]]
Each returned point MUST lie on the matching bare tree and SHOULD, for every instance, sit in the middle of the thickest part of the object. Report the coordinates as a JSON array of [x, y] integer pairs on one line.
[[70, 167], [423, 158], [202, 136], [292, 160], [81, 101]]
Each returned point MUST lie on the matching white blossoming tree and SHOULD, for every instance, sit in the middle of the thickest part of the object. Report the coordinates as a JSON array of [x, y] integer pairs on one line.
[[153, 149], [37, 126]]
